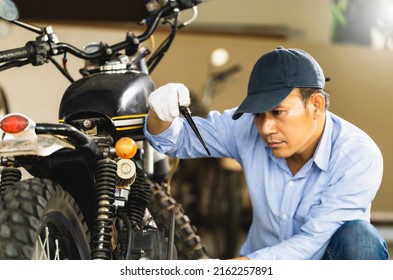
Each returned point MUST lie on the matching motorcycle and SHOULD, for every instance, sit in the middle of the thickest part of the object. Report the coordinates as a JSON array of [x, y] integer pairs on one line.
[[97, 188]]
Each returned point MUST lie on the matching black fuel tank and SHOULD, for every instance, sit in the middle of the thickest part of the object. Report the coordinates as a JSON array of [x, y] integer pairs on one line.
[[119, 95]]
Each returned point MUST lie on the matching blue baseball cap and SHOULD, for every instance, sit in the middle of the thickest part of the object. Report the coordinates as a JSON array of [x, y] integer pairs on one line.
[[275, 75]]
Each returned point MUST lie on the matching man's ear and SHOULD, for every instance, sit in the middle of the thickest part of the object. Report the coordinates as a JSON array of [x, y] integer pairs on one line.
[[318, 103]]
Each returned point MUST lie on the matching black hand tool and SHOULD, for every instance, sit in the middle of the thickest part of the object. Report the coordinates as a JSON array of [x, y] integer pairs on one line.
[[185, 111]]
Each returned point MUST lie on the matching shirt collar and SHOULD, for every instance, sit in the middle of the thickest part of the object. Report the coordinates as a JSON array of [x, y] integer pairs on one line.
[[322, 153]]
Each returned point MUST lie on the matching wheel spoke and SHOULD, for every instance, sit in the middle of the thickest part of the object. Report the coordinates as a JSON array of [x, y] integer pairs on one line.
[[42, 248], [57, 251]]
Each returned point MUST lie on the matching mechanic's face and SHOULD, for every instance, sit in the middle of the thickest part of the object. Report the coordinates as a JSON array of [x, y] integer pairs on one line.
[[292, 130]]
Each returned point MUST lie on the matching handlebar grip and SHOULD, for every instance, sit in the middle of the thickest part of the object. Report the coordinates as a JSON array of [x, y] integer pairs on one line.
[[14, 54]]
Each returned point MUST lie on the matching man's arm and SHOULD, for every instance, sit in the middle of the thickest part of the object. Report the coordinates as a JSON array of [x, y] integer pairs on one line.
[[155, 125], [346, 199]]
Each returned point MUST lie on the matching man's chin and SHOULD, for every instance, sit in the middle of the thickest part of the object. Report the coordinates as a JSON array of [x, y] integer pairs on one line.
[[279, 154]]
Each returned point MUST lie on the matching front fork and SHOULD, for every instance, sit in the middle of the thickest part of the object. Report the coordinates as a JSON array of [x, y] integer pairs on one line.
[[105, 198], [110, 206]]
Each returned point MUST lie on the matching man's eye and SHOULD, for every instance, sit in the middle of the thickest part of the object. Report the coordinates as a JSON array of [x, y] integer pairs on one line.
[[276, 112], [258, 115]]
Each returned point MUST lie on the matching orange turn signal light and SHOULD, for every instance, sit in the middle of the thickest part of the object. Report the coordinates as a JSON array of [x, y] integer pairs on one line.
[[125, 148]]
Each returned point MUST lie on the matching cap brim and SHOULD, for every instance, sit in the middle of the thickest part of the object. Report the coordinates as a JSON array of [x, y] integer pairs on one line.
[[261, 102]]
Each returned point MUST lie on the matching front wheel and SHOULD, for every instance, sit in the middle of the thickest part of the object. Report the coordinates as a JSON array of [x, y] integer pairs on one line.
[[39, 220]]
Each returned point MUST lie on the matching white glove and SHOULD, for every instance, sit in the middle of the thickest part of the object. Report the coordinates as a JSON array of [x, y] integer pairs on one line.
[[165, 100]]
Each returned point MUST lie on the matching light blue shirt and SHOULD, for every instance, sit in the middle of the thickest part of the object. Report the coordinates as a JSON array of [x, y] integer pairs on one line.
[[294, 217]]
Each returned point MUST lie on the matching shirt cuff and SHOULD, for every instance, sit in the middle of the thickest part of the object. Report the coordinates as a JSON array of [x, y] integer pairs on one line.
[[166, 139]]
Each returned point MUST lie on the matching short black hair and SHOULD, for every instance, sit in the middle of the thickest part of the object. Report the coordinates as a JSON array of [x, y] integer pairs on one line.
[[306, 93]]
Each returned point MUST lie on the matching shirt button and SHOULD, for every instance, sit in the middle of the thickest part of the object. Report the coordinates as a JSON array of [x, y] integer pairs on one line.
[[284, 217], [290, 183]]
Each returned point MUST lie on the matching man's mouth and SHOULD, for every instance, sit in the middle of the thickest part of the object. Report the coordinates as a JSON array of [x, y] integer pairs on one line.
[[274, 144]]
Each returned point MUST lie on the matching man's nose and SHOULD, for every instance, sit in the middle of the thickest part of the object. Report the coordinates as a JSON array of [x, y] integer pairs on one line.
[[268, 125]]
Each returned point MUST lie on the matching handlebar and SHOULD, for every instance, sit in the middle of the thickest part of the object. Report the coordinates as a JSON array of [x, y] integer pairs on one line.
[[37, 52], [13, 54]]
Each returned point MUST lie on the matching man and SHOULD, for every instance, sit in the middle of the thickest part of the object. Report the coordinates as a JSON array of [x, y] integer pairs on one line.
[[311, 175]]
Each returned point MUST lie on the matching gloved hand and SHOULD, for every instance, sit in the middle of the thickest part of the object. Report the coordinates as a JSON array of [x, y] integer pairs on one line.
[[165, 100]]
